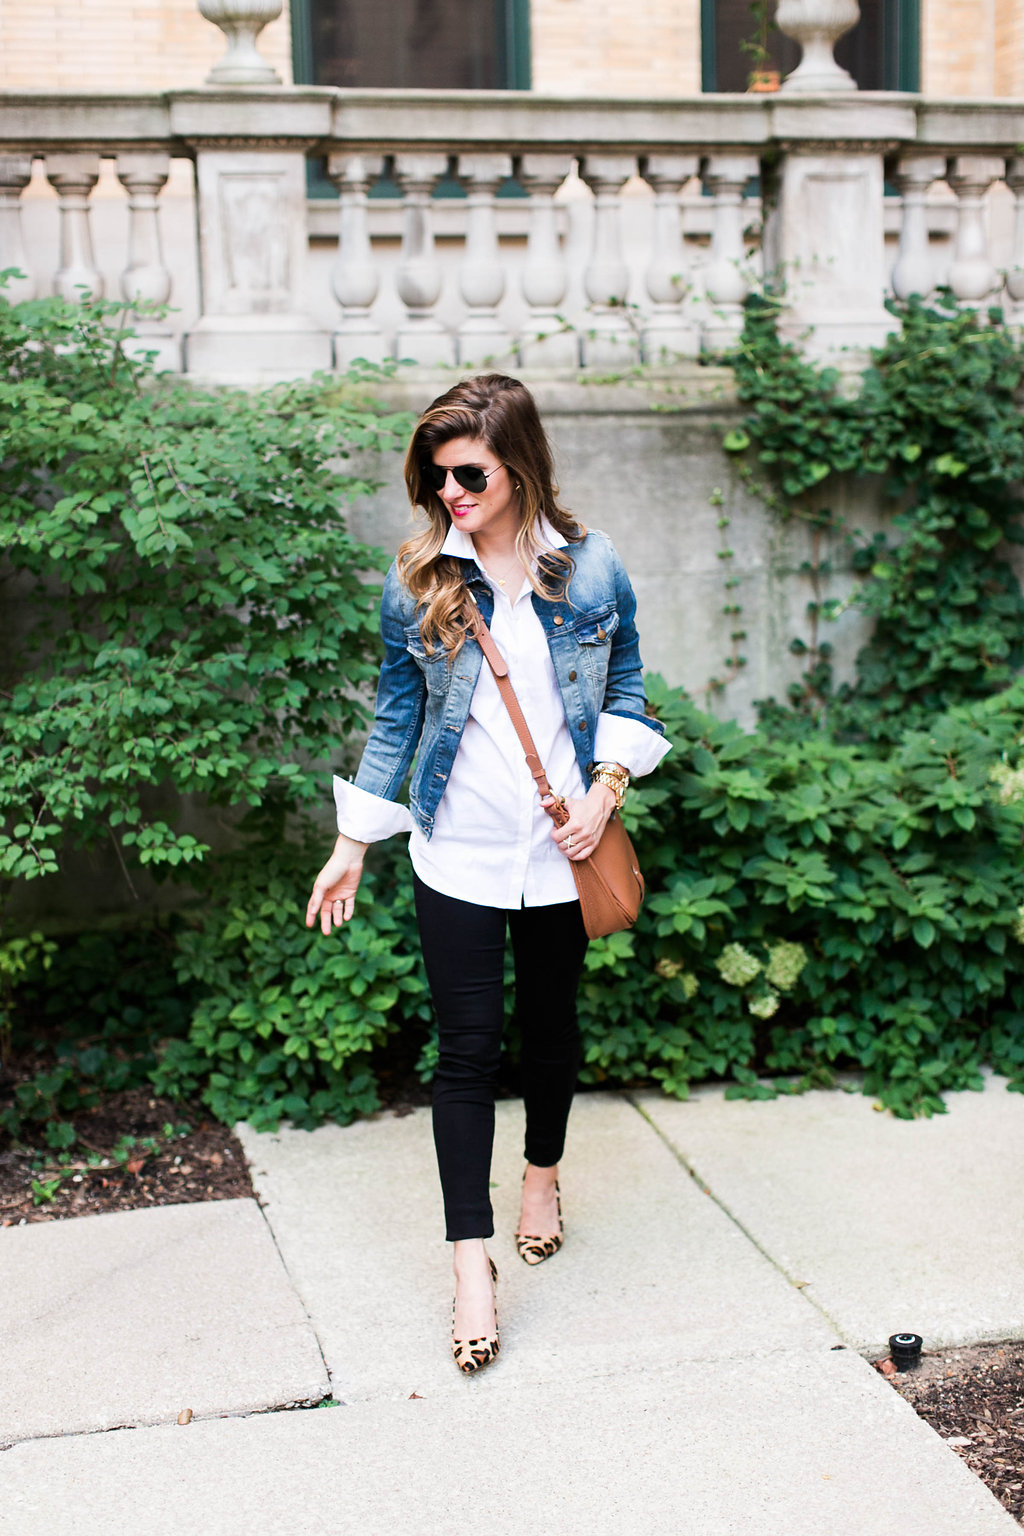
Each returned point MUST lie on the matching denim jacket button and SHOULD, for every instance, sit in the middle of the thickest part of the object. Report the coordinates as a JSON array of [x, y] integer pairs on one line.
[[558, 619], [582, 725], [572, 677]]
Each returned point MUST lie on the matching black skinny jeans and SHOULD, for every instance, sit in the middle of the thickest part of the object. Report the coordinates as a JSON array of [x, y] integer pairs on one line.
[[464, 954]]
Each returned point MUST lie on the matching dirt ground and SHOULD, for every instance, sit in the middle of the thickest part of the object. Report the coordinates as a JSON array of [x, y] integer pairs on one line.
[[974, 1398]]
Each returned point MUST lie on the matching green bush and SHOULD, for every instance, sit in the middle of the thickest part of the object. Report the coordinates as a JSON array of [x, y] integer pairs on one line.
[[815, 906], [193, 614]]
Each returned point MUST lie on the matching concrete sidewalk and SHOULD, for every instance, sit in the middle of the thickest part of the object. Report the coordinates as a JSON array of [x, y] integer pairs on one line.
[[693, 1361]]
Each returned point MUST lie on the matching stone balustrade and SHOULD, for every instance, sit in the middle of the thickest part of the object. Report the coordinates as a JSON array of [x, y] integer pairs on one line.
[[633, 233]]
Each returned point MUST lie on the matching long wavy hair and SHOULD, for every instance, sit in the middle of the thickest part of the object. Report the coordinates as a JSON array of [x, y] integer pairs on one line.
[[501, 413]]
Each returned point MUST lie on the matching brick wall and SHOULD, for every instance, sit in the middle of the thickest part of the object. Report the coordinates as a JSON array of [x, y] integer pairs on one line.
[[580, 47], [958, 47], [1009, 39], [111, 45], [616, 47]]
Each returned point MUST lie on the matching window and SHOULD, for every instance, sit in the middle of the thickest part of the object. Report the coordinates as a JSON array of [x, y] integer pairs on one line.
[[881, 52], [447, 44]]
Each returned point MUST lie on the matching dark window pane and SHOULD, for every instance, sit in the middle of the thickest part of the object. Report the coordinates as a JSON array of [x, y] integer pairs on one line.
[[872, 52], [447, 44]]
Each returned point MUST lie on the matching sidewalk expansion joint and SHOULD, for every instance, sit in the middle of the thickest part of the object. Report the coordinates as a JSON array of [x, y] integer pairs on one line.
[[706, 1187], [301, 1299]]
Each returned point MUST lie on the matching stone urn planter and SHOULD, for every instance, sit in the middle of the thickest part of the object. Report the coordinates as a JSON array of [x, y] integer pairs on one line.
[[242, 21], [817, 25]]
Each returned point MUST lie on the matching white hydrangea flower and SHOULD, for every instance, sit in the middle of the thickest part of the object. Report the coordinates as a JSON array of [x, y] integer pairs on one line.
[[691, 986], [763, 1007], [785, 963], [1010, 782], [737, 965]]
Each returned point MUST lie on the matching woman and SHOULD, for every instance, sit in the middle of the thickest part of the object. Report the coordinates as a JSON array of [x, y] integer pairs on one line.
[[484, 852]]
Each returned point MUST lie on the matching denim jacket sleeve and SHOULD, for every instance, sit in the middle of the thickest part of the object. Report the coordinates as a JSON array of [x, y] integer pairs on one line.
[[400, 707], [624, 691]]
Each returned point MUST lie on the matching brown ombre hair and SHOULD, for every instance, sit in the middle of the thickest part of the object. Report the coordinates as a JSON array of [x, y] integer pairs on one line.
[[501, 413]]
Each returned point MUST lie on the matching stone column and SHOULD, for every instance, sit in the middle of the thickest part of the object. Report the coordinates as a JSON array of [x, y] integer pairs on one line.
[[146, 278], [253, 251], [354, 278], [914, 271], [15, 175], [482, 337], [545, 342], [668, 330], [824, 250], [242, 21], [1015, 271], [73, 177], [421, 336], [972, 273], [609, 340], [817, 25], [727, 274]]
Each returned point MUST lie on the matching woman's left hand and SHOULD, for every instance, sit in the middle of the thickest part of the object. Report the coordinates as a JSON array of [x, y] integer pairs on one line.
[[587, 820]]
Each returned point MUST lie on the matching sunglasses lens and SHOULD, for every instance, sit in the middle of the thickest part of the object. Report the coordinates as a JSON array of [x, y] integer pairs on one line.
[[467, 475]]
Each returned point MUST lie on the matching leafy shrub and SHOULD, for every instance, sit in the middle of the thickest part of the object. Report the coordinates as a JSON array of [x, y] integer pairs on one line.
[[198, 622], [289, 1020], [816, 906]]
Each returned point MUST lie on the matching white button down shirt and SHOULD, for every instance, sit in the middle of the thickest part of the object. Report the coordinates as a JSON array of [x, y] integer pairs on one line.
[[491, 842]]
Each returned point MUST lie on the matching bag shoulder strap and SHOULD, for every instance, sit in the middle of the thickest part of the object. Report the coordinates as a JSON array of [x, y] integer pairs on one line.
[[499, 666]]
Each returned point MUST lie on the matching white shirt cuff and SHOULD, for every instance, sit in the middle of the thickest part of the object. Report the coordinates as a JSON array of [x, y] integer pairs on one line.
[[368, 818], [637, 747]]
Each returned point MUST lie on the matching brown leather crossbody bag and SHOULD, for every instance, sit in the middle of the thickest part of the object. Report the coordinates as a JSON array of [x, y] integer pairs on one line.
[[609, 882]]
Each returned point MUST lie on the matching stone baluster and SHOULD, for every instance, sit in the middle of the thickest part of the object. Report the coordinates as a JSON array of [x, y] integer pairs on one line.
[[668, 331], [242, 21], [15, 175], [1015, 271], [609, 340], [421, 336], [482, 337], [972, 272], [817, 25], [147, 279], [546, 341], [355, 278], [73, 177], [914, 271], [727, 275]]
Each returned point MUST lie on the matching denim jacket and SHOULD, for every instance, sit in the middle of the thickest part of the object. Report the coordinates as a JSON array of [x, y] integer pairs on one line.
[[423, 701]]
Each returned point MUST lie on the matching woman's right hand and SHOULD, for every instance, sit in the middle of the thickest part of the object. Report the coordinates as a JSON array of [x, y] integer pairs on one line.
[[334, 890]]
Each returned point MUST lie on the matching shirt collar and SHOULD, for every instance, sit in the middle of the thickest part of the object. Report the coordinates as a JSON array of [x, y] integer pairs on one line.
[[459, 543]]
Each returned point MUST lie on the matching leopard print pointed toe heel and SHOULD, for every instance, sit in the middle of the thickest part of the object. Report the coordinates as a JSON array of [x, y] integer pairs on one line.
[[473, 1354], [534, 1250]]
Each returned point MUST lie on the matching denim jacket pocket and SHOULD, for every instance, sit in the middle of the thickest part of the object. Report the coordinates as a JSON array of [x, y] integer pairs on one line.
[[596, 629], [435, 668]]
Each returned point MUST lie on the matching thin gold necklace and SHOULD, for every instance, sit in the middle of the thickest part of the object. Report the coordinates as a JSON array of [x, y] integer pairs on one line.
[[501, 580]]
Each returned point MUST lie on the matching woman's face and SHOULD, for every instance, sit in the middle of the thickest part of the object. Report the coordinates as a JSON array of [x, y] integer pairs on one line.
[[494, 511]]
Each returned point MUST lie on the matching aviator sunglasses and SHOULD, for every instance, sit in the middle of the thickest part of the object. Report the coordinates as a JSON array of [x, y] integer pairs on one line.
[[469, 476]]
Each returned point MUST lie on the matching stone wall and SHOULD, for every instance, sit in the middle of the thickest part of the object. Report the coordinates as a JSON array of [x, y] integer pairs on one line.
[[641, 461]]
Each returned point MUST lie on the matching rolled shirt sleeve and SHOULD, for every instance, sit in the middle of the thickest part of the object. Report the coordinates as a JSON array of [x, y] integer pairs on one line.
[[368, 818], [620, 739]]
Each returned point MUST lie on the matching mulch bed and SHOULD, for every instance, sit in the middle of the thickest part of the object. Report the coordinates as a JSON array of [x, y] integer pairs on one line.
[[974, 1398], [203, 1162]]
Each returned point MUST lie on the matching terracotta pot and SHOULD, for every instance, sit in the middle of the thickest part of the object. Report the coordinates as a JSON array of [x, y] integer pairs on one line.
[[764, 80]]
